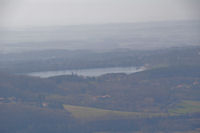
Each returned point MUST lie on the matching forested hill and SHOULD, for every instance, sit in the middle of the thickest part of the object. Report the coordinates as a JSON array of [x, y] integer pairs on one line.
[[169, 72], [53, 60]]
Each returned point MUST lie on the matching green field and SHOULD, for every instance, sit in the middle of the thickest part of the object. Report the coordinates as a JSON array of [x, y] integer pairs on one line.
[[90, 114], [186, 107]]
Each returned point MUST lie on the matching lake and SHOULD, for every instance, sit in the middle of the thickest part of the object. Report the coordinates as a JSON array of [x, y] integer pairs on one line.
[[88, 72]]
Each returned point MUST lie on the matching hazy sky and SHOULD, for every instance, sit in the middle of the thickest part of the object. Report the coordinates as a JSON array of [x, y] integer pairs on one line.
[[68, 12]]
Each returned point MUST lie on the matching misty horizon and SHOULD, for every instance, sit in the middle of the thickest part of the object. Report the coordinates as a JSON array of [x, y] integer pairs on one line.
[[138, 36], [27, 25], [32, 13]]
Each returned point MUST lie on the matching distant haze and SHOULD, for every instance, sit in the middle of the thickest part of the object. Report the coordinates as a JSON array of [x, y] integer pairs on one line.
[[72, 12], [137, 36], [98, 24]]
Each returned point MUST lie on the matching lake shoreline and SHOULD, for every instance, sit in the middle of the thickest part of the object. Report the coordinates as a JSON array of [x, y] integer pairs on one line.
[[94, 72]]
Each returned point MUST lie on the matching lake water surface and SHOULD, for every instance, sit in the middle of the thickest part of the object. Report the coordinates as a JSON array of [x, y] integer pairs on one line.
[[88, 72]]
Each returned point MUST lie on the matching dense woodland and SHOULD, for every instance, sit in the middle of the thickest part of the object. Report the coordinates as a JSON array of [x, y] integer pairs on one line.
[[49, 60], [163, 99]]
